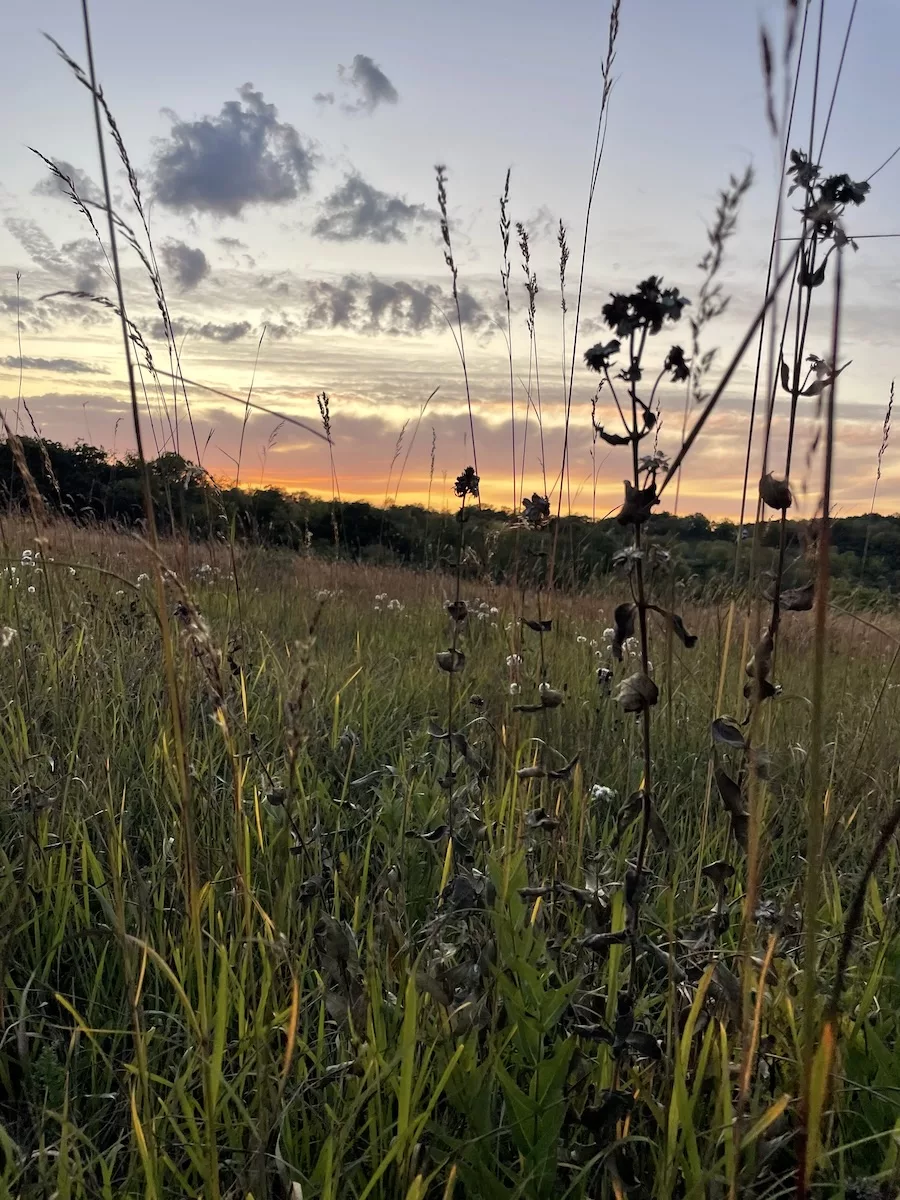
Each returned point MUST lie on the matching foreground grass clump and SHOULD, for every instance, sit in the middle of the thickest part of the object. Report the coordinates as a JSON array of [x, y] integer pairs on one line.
[[241, 955]]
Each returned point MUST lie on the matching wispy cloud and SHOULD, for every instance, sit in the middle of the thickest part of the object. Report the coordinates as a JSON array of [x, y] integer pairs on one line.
[[64, 366]]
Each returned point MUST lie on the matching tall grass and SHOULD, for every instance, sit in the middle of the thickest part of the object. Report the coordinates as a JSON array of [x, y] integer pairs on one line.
[[297, 906]]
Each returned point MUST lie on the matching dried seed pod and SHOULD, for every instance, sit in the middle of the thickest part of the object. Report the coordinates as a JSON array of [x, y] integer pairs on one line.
[[450, 660], [637, 693], [457, 610], [638, 504], [776, 493]]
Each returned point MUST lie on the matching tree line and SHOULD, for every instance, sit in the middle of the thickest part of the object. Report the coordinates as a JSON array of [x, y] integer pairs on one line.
[[88, 486]]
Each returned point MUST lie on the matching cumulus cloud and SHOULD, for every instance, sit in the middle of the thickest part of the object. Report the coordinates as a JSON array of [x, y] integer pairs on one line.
[[369, 82], [243, 156], [65, 366], [85, 188], [358, 212], [188, 264], [369, 305]]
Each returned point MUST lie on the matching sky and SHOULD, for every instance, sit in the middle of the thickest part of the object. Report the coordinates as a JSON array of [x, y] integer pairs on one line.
[[286, 156]]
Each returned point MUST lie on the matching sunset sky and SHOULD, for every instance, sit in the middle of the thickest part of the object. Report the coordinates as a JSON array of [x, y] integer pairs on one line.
[[286, 153]]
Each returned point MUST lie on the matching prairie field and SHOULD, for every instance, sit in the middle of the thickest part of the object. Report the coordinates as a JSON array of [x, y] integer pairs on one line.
[[542, 847], [243, 954]]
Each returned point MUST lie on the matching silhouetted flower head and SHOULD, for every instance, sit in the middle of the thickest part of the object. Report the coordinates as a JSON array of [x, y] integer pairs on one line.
[[676, 365], [467, 483]]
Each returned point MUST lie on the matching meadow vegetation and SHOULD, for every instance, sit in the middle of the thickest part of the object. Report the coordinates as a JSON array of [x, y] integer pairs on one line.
[[328, 880]]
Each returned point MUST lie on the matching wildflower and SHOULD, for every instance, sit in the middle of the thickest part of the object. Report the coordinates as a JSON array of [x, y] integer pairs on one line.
[[598, 357], [599, 792], [143, 578], [536, 511], [467, 483], [323, 594], [675, 362], [71, 570], [514, 689], [7, 633], [482, 616], [484, 606], [593, 643], [608, 635], [581, 639], [514, 660], [631, 645], [118, 593], [382, 596], [395, 605], [494, 611], [31, 590], [377, 606], [544, 686]]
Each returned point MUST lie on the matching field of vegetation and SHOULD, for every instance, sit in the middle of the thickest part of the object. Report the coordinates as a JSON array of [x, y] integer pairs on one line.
[[558, 863], [243, 953]]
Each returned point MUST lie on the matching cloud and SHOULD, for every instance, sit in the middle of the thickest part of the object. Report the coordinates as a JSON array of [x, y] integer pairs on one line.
[[358, 212], [86, 259], [370, 83], [36, 244], [188, 264], [207, 331], [65, 366], [323, 98], [243, 156], [52, 185], [231, 244], [369, 305], [79, 262]]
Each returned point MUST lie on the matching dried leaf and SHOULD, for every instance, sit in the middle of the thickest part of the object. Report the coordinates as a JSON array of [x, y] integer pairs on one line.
[[676, 624], [785, 376], [638, 505], [776, 493], [601, 941], [726, 731], [531, 773], [637, 693], [799, 599], [564, 772], [613, 439], [600, 1121], [450, 660], [594, 1033], [733, 799], [643, 1045], [433, 836], [623, 619], [539, 818]]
